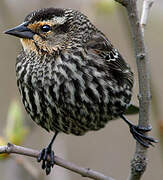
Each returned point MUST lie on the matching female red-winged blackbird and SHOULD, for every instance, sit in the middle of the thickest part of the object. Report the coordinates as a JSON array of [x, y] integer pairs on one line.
[[70, 76]]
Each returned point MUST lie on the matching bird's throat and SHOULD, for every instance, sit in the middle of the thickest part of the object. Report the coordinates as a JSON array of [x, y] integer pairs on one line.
[[29, 45]]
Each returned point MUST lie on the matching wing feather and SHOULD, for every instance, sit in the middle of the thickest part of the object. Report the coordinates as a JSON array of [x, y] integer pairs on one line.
[[115, 63]]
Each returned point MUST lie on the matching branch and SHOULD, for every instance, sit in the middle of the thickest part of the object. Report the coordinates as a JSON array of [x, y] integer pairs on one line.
[[147, 4], [139, 161], [85, 172]]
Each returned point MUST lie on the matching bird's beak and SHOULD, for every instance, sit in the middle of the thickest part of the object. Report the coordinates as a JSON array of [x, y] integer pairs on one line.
[[21, 31]]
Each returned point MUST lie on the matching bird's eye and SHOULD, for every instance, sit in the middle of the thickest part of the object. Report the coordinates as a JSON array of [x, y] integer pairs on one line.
[[45, 28]]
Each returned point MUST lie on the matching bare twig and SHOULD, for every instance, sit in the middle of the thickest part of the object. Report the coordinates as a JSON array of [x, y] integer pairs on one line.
[[139, 162], [85, 172], [147, 4]]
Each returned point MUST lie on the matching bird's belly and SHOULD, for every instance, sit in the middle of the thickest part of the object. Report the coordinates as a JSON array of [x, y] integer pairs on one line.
[[63, 97], [59, 112]]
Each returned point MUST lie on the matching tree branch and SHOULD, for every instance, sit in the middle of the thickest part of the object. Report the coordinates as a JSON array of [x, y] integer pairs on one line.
[[85, 172], [147, 4], [139, 161]]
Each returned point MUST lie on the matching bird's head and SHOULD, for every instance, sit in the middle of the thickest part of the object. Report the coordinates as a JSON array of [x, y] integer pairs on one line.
[[51, 29]]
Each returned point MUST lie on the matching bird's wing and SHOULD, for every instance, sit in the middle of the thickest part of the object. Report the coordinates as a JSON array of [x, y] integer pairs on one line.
[[116, 65]]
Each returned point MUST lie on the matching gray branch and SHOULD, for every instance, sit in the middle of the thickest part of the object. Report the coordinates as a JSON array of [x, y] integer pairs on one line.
[[85, 172], [147, 4], [139, 161]]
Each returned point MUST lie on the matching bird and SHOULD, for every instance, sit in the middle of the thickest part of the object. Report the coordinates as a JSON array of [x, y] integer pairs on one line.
[[70, 77]]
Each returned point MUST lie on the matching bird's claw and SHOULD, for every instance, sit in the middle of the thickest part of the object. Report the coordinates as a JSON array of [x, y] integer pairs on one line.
[[47, 158], [138, 134], [143, 128]]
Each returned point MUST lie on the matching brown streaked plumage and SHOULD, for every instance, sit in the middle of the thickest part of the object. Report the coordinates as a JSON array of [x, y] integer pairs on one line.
[[70, 77]]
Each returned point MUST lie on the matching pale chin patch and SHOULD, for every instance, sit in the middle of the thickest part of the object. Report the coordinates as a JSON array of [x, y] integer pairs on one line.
[[28, 45]]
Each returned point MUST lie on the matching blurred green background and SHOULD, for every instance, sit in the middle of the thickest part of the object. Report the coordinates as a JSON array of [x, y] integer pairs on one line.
[[110, 149]]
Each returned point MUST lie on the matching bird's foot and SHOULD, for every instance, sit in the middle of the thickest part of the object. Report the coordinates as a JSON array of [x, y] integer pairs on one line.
[[47, 158], [138, 134]]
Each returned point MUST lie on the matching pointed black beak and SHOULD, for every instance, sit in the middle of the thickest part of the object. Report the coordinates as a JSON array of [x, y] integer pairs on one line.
[[21, 31]]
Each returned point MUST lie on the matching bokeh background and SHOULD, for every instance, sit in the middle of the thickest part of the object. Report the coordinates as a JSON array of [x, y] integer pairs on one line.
[[109, 150]]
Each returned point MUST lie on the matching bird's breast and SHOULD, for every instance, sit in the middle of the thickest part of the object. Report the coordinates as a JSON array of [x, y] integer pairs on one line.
[[69, 91]]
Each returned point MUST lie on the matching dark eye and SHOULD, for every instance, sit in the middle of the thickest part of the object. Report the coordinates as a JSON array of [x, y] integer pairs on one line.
[[45, 28]]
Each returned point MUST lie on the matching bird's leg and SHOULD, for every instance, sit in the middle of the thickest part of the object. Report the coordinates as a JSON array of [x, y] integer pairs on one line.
[[47, 156], [138, 133]]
